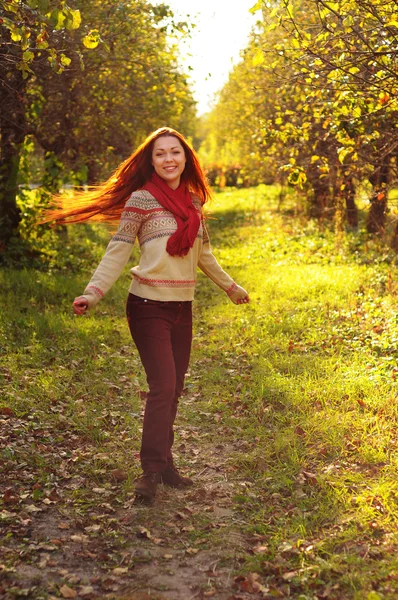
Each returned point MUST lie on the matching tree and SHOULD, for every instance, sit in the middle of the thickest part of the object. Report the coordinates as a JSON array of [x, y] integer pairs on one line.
[[321, 78], [89, 108], [31, 34], [347, 54]]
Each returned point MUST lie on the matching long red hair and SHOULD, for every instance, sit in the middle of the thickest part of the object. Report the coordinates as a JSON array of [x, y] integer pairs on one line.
[[106, 201]]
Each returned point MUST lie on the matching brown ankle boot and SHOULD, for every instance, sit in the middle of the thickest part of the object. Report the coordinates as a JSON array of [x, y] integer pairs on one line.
[[146, 485], [170, 476]]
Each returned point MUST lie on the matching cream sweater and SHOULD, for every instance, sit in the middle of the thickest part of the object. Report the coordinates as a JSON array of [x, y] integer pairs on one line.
[[158, 276]]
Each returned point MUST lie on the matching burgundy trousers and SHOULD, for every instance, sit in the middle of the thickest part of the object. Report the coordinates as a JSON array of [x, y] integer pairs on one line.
[[162, 332]]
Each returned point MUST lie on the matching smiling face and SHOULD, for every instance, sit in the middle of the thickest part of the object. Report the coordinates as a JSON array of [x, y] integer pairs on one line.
[[168, 159]]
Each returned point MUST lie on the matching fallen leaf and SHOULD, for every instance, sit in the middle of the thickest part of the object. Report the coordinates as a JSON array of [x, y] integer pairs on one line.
[[181, 515], [5, 410], [310, 477], [79, 538], [157, 541], [192, 550], [63, 526], [250, 583], [86, 591], [120, 570], [92, 528], [299, 431], [143, 532], [119, 475], [101, 456], [72, 579], [5, 514], [53, 495], [9, 497], [67, 592], [260, 549], [31, 508]]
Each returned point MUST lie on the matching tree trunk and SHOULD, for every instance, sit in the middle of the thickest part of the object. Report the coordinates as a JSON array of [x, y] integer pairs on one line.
[[394, 240], [10, 214], [378, 201], [351, 207], [12, 132], [320, 202]]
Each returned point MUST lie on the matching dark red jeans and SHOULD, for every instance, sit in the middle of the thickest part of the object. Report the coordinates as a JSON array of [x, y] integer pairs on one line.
[[162, 332]]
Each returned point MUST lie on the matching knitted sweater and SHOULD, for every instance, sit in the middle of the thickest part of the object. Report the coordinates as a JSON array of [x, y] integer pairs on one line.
[[158, 276]]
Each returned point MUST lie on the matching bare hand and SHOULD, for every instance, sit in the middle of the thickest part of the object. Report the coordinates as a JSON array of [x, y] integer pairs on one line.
[[239, 295], [80, 305]]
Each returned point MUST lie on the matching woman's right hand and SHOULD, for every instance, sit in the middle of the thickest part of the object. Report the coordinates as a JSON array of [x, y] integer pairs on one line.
[[80, 305]]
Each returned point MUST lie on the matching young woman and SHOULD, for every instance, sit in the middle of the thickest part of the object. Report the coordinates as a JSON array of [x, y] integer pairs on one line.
[[158, 194]]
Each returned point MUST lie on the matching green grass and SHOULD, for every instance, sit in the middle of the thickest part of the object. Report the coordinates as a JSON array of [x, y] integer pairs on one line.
[[303, 380]]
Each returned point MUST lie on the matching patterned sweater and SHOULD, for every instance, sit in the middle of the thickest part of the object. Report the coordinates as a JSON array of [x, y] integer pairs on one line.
[[158, 276]]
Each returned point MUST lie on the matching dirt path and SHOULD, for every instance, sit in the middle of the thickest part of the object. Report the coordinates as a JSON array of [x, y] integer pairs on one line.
[[75, 539]]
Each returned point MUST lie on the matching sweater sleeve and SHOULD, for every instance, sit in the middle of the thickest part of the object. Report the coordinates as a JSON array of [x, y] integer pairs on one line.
[[117, 254], [210, 267]]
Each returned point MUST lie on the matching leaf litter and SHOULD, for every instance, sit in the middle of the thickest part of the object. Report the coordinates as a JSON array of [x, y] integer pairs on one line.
[[65, 537]]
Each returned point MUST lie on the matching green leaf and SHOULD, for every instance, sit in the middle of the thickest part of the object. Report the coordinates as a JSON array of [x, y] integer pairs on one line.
[[57, 18], [32, 3], [43, 6], [28, 56]]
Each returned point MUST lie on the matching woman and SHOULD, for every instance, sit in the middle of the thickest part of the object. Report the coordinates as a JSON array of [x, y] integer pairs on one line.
[[158, 193]]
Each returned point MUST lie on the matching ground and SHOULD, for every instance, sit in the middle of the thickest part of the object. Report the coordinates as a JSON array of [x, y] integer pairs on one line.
[[186, 545]]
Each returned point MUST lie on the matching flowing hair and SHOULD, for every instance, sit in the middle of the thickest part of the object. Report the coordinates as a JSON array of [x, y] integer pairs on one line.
[[106, 201]]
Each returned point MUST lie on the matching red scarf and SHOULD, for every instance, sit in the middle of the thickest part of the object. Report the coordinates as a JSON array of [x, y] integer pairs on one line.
[[178, 202]]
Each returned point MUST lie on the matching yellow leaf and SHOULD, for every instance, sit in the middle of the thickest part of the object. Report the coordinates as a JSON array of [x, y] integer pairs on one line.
[[92, 39], [258, 58], [343, 153], [256, 7]]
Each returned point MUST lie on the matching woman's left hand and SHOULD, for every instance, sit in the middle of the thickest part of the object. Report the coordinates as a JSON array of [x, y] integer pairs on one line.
[[239, 295]]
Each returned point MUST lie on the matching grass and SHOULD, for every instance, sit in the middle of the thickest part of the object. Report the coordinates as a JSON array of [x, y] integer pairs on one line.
[[304, 378]]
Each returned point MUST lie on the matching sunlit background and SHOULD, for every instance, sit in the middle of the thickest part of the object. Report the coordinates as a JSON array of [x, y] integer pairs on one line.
[[221, 32]]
